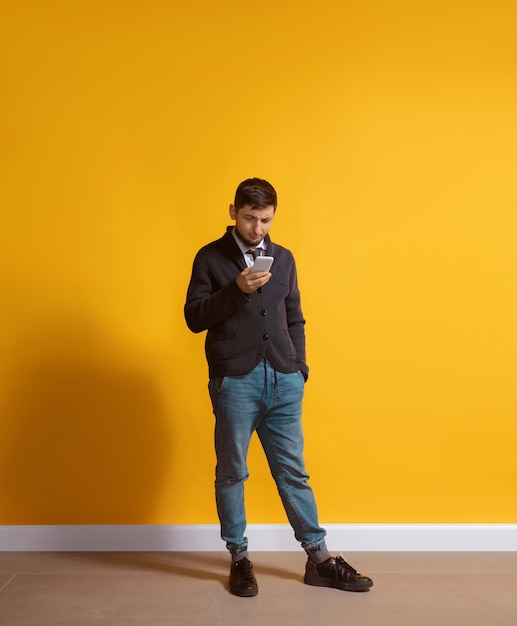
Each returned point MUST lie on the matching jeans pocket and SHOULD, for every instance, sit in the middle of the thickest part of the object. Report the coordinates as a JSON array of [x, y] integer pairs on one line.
[[215, 385]]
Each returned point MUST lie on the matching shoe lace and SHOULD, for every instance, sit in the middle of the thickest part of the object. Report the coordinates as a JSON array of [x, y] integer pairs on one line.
[[341, 565], [245, 566]]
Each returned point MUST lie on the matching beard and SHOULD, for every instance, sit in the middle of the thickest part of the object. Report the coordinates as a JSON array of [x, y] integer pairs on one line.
[[249, 242]]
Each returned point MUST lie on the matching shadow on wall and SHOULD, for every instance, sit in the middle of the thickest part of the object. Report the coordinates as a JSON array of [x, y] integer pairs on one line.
[[85, 434]]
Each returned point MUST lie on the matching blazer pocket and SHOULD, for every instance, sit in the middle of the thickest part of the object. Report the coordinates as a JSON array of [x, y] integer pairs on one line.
[[222, 348]]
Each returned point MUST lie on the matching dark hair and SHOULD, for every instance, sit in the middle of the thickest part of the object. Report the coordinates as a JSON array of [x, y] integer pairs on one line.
[[256, 192]]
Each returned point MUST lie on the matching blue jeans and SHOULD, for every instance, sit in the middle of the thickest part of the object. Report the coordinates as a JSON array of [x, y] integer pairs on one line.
[[269, 402]]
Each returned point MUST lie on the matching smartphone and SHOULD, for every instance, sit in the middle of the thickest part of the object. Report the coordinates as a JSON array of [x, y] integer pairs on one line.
[[262, 264]]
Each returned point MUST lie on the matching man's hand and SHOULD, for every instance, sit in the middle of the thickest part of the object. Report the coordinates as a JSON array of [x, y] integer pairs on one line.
[[249, 281]]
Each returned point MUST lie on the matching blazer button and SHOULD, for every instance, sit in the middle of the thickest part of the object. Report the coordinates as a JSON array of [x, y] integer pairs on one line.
[[259, 290], [265, 337], [263, 312]]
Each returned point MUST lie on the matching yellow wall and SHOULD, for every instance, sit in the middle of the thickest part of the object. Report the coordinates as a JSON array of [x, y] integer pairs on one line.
[[389, 129]]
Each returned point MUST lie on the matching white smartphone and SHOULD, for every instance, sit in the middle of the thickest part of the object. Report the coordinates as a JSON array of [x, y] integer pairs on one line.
[[262, 264]]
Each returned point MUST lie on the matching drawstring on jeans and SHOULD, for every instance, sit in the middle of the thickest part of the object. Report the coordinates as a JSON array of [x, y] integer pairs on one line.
[[275, 379]]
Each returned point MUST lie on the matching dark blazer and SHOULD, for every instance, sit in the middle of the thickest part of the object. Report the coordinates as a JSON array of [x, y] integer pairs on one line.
[[245, 328]]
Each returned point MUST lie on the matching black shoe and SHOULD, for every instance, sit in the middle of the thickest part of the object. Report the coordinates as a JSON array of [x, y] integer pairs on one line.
[[242, 580], [336, 572]]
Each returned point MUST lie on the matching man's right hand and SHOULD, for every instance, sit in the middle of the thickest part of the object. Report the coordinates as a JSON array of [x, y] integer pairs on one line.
[[249, 281]]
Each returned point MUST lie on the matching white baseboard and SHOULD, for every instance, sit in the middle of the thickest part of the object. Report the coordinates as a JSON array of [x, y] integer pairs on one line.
[[262, 537]]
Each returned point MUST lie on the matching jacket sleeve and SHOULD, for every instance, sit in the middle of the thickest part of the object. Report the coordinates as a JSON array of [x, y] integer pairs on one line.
[[208, 301], [296, 322]]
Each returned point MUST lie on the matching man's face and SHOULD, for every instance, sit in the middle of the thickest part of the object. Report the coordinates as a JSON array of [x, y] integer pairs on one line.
[[252, 224]]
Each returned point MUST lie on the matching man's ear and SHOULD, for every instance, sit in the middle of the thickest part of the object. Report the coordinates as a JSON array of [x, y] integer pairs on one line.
[[233, 211]]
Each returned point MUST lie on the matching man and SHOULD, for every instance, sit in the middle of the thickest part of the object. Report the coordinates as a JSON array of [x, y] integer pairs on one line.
[[255, 348]]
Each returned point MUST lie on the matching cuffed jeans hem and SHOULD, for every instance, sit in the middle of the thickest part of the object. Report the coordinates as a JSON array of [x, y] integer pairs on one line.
[[318, 552], [235, 549], [317, 543]]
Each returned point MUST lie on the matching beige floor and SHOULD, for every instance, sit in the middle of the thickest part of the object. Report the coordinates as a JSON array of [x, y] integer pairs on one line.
[[158, 589]]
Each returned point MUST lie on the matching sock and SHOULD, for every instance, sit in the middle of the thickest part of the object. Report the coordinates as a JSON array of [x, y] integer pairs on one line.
[[239, 556], [319, 556]]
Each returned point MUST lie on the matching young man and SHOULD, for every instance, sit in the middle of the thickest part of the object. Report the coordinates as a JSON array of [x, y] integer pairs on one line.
[[255, 348]]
